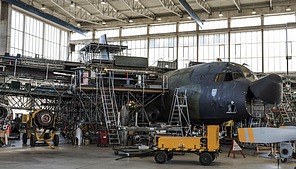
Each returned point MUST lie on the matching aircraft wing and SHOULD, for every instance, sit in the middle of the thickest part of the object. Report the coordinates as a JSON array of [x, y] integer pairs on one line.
[[266, 134]]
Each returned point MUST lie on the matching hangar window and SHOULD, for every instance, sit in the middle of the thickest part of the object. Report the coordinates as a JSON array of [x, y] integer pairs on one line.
[[243, 22], [131, 31], [218, 24], [109, 32], [154, 29], [187, 26], [279, 19]]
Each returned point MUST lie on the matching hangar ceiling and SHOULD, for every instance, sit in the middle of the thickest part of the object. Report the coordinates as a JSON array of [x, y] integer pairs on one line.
[[94, 14]]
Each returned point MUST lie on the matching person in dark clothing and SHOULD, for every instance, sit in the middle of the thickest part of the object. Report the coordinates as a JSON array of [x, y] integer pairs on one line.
[[17, 122]]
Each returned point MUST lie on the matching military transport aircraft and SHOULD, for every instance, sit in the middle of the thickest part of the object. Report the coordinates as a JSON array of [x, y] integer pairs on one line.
[[217, 92]]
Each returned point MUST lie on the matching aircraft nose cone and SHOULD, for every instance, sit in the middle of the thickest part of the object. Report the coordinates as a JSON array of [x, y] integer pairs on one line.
[[269, 89]]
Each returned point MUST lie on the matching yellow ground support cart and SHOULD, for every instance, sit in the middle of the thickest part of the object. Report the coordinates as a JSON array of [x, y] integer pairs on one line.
[[40, 127], [207, 147]]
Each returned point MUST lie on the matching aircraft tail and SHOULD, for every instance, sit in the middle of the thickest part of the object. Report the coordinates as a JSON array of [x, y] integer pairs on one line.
[[104, 53]]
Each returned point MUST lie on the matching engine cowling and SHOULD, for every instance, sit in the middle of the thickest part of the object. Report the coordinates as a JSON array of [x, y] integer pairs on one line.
[[5, 115], [43, 118]]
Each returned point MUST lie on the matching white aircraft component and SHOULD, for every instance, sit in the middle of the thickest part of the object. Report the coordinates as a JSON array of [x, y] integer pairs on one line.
[[266, 135]]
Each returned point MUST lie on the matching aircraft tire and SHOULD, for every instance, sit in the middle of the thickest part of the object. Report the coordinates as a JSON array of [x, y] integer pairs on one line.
[[32, 140], [56, 140], [25, 138], [205, 158], [161, 157]]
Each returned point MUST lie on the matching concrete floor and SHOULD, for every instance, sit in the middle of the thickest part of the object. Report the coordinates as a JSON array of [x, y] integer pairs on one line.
[[68, 156]]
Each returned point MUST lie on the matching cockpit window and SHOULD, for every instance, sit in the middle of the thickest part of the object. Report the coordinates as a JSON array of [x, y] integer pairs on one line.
[[237, 75], [248, 74], [219, 77], [229, 76]]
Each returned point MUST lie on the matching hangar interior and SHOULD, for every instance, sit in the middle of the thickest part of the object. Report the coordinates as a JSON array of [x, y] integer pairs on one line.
[[98, 65]]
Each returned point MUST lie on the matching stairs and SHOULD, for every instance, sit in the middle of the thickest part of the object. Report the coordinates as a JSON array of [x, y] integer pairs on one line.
[[110, 109]]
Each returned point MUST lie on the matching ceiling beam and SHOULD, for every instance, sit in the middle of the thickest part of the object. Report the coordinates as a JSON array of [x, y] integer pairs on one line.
[[139, 8], [108, 10], [170, 5], [204, 5], [76, 12], [237, 4], [191, 12]]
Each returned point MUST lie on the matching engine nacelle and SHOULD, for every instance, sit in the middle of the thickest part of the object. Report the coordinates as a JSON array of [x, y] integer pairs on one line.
[[42, 118], [5, 116], [286, 150]]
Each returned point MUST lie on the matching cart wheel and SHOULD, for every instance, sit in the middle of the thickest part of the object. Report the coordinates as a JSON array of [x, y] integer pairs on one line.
[[25, 138], [32, 140], [115, 152], [170, 156], [283, 160], [205, 158], [160, 157], [56, 140]]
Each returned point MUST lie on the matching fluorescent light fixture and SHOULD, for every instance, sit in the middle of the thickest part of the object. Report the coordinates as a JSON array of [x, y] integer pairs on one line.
[[130, 21], [42, 7], [253, 12], [78, 25], [103, 23], [72, 4], [103, 2], [220, 14], [189, 17], [159, 19], [288, 8]]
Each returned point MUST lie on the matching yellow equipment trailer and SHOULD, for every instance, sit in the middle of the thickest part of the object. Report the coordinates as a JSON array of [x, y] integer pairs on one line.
[[40, 127], [207, 147]]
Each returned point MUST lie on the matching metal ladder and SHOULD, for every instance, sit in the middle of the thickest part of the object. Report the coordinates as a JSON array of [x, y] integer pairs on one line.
[[255, 122], [258, 109], [288, 103], [270, 118], [179, 112], [110, 109], [283, 110]]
